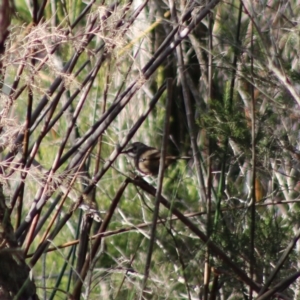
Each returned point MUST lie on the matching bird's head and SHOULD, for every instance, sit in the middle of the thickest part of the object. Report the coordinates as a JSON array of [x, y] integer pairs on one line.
[[136, 149]]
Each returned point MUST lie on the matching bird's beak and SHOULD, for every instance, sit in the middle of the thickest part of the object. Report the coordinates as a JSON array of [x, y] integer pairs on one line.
[[129, 151], [126, 150]]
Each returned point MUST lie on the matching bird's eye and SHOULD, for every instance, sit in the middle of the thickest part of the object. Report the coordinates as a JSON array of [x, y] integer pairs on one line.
[[134, 149]]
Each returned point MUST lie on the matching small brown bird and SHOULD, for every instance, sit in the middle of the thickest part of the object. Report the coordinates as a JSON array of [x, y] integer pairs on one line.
[[146, 159]]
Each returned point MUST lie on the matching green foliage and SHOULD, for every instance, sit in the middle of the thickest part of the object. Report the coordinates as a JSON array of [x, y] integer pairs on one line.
[[226, 120]]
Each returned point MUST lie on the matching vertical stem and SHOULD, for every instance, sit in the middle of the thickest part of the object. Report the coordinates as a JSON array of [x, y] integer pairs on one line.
[[253, 201], [231, 91], [159, 185], [209, 177], [189, 112], [24, 156]]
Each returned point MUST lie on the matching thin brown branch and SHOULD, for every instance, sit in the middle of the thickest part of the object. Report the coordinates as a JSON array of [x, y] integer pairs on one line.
[[195, 229], [77, 288], [159, 186]]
